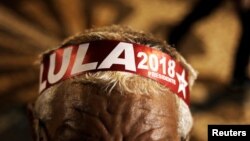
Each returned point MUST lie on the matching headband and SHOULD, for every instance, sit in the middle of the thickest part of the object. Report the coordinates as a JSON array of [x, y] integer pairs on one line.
[[108, 55]]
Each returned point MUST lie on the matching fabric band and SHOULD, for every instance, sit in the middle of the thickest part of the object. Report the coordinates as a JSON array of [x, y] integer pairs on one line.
[[108, 55]]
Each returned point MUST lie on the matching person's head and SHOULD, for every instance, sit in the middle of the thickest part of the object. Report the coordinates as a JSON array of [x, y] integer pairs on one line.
[[113, 105]]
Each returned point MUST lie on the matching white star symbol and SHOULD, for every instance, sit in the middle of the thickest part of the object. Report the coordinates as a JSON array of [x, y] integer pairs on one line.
[[182, 83]]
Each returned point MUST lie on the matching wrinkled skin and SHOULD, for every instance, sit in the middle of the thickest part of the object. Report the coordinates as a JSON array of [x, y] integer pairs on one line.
[[84, 112]]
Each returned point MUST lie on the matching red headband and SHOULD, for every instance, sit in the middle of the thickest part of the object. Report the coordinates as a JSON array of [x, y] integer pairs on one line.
[[106, 55]]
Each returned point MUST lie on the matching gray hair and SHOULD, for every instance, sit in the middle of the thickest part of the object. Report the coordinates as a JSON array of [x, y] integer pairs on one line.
[[123, 80]]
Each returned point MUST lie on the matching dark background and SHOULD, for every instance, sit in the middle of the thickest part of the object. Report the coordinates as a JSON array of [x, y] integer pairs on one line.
[[30, 27]]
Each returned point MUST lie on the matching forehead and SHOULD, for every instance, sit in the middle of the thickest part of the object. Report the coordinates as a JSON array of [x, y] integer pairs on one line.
[[92, 111]]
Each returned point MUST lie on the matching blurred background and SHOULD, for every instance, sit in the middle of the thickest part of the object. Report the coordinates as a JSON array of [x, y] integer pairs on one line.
[[29, 27]]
